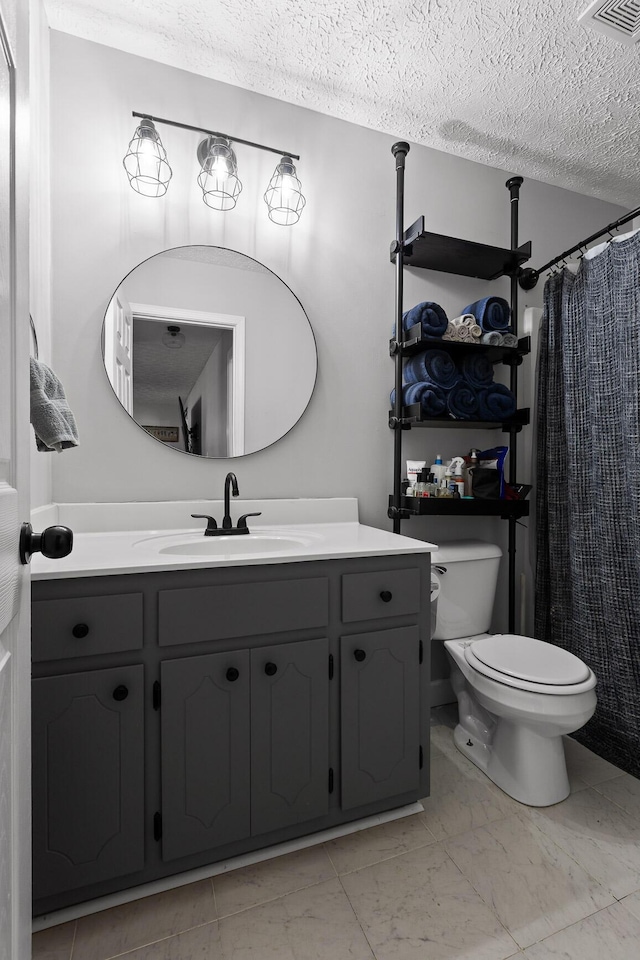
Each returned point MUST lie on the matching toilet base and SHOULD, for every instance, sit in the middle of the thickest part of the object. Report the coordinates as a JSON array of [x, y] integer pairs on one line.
[[528, 767]]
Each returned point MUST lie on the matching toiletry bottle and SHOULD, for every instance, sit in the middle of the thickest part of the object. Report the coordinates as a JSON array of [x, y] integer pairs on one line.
[[472, 463], [438, 469], [422, 484], [457, 471], [432, 486]]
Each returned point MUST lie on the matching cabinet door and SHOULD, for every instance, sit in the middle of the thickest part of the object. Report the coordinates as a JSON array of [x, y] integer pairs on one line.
[[289, 734], [380, 709], [205, 752], [88, 786]]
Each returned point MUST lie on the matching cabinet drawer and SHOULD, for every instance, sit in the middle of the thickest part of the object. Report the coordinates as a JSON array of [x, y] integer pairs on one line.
[[84, 626], [241, 610], [389, 593]]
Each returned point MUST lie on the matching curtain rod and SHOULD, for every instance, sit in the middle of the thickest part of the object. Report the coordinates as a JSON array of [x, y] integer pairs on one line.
[[529, 277]]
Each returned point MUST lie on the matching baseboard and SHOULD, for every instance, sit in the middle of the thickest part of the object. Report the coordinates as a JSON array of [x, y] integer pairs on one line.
[[440, 692]]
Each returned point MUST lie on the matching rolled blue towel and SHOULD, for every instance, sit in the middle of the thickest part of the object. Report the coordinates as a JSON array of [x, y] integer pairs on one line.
[[497, 402], [477, 370], [492, 313], [432, 399], [436, 366], [430, 316], [463, 402]]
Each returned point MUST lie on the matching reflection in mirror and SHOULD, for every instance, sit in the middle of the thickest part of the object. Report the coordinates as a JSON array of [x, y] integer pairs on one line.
[[209, 351]]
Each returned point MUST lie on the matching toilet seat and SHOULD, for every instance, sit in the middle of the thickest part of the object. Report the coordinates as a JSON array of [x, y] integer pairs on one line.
[[529, 664]]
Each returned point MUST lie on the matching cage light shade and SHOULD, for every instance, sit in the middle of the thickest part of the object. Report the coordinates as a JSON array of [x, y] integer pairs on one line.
[[146, 163], [283, 196], [218, 177]]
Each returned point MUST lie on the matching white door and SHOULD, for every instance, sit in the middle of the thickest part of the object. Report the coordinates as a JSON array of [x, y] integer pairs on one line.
[[118, 350], [15, 801]]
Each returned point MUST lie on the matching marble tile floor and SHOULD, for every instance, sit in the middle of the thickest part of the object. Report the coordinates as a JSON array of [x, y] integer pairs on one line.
[[477, 876]]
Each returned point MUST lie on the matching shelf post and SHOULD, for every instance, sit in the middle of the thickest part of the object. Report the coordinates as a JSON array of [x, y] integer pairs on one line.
[[513, 186], [399, 151]]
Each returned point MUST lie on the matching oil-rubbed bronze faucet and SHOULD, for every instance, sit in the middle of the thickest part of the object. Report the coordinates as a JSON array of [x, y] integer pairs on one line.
[[227, 528]]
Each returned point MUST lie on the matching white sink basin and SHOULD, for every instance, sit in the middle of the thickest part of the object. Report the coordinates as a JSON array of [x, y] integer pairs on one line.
[[233, 546]]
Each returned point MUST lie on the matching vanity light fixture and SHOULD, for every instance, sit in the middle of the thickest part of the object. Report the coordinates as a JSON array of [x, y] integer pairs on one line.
[[173, 338], [218, 175], [149, 171], [146, 161]]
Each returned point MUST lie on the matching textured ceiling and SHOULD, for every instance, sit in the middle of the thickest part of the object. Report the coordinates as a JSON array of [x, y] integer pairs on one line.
[[516, 84]]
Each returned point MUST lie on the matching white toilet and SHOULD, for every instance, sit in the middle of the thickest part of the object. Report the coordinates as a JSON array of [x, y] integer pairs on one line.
[[516, 696]]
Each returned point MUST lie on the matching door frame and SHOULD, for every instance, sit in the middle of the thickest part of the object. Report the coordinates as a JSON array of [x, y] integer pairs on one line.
[[222, 321]]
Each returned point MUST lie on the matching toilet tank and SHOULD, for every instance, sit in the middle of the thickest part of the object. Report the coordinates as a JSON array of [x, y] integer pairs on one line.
[[464, 574]]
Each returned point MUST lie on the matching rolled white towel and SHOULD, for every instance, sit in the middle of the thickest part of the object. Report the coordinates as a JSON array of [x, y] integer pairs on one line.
[[476, 331], [464, 320], [509, 340], [463, 333], [493, 338]]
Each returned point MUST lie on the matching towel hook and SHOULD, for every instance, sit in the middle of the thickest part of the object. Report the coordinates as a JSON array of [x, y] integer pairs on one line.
[[35, 337]]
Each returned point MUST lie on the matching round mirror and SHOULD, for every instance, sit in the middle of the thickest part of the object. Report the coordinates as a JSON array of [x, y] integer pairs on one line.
[[209, 351]]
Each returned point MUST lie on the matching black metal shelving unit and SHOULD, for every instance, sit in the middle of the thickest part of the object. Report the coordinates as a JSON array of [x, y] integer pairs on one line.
[[416, 247]]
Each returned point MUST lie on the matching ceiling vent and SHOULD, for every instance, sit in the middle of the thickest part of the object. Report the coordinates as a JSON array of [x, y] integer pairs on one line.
[[619, 19]]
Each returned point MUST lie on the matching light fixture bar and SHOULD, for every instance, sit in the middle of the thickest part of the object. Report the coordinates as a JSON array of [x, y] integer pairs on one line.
[[215, 133]]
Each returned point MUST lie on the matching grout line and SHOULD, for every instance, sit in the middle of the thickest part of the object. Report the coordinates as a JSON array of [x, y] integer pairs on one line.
[[489, 906], [358, 921], [280, 896], [73, 938]]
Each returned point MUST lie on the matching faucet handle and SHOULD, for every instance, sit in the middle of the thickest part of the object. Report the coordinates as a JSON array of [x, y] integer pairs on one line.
[[242, 522], [211, 523]]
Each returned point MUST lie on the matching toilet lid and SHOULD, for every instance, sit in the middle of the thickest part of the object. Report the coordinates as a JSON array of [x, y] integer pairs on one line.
[[525, 658]]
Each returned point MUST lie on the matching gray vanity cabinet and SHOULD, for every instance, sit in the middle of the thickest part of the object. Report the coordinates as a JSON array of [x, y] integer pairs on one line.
[[88, 786], [280, 700], [381, 754], [205, 752], [289, 734]]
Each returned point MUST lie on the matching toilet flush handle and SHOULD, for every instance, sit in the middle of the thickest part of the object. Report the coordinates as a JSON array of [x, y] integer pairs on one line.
[[440, 569]]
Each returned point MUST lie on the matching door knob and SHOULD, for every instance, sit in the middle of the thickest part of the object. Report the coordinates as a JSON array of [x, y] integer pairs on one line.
[[54, 542]]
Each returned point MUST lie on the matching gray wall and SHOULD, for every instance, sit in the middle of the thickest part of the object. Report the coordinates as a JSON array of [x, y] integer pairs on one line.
[[336, 260]]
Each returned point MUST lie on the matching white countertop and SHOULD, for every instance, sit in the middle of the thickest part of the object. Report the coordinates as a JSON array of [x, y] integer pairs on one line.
[[100, 552]]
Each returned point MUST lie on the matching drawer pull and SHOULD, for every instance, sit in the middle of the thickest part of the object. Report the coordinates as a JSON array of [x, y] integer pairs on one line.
[[270, 669], [359, 655], [232, 674], [386, 596], [80, 630], [120, 692]]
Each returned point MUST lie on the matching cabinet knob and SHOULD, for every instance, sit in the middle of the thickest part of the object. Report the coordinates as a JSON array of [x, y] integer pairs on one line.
[[120, 692], [80, 630], [270, 669], [359, 655], [386, 596], [232, 674]]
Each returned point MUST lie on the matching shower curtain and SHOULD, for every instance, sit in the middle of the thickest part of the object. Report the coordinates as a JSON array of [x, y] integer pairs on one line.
[[588, 486]]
